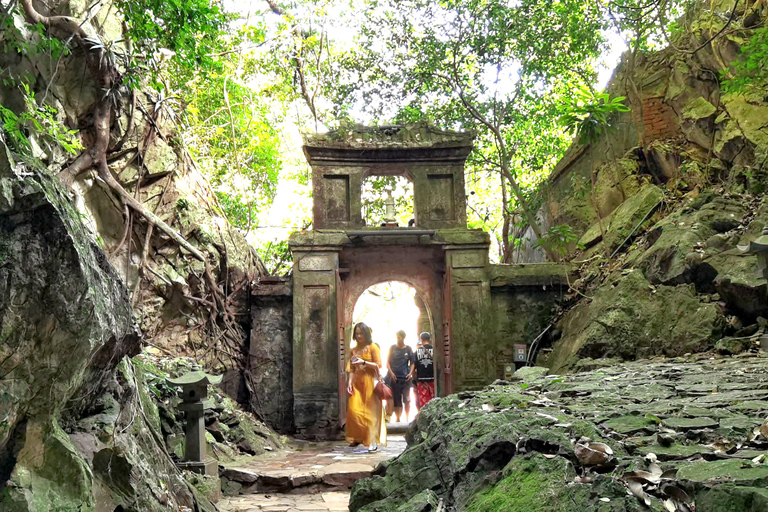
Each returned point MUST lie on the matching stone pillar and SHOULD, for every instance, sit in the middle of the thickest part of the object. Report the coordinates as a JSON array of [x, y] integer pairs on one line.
[[473, 351], [423, 323], [315, 344], [194, 432]]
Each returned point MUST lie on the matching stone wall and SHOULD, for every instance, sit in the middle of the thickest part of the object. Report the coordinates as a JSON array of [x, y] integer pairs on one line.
[[524, 300], [695, 134], [270, 354]]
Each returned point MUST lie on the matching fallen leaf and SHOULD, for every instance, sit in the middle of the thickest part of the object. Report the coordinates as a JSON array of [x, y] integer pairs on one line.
[[643, 476], [655, 470], [593, 454], [669, 474], [547, 416], [489, 407], [636, 488], [675, 493]]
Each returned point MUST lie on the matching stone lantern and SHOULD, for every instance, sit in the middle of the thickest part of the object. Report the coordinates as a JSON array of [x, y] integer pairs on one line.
[[389, 209], [194, 392]]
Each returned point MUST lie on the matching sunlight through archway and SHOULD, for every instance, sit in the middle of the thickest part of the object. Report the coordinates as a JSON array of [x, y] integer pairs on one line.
[[387, 308]]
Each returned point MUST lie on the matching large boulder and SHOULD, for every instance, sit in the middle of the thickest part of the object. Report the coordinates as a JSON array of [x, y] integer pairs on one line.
[[65, 318], [669, 260], [74, 433], [630, 318]]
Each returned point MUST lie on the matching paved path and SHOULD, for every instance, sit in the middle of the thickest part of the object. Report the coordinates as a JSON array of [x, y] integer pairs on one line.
[[306, 477]]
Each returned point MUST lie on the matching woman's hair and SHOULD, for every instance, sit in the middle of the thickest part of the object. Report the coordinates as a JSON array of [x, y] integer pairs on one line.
[[366, 332]]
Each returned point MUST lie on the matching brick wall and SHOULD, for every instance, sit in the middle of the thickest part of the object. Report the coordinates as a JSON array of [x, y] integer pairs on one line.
[[659, 119]]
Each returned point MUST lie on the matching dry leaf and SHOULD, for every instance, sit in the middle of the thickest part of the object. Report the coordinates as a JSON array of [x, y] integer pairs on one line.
[[636, 487], [643, 476], [593, 454], [676, 493], [547, 416], [669, 474], [655, 470]]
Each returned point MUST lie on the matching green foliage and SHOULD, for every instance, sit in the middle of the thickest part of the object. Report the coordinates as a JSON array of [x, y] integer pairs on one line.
[[276, 257], [230, 132], [39, 120], [648, 25], [190, 28], [487, 65], [589, 114], [750, 75], [559, 239]]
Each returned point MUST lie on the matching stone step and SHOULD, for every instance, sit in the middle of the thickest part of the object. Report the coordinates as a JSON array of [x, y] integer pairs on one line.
[[339, 476], [307, 468]]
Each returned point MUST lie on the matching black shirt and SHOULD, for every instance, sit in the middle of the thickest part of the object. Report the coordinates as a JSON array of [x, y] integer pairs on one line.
[[424, 363], [400, 360]]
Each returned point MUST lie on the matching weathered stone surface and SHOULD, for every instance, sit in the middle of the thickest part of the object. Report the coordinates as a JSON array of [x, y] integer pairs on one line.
[[66, 327], [270, 360], [667, 260], [511, 448], [626, 220], [635, 319]]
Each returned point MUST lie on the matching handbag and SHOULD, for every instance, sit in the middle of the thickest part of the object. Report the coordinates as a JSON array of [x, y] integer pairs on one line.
[[382, 391]]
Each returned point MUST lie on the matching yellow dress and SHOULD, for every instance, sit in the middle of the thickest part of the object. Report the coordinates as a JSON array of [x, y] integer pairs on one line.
[[365, 415]]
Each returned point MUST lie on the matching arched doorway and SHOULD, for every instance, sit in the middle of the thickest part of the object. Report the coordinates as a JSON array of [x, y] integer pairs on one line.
[[387, 308]]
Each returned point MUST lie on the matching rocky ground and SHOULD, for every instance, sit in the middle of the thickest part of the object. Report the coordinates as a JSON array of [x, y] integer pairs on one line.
[[677, 434], [305, 476]]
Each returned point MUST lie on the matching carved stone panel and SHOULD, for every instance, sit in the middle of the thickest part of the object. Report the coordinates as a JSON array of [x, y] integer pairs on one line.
[[315, 316], [473, 259], [441, 199], [470, 346], [316, 263], [336, 197]]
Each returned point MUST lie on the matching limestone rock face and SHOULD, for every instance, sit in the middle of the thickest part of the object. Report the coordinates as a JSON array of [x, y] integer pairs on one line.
[[65, 320], [74, 433], [630, 318]]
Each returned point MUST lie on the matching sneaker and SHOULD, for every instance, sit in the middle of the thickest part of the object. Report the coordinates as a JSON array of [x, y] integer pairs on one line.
[[374, 447]]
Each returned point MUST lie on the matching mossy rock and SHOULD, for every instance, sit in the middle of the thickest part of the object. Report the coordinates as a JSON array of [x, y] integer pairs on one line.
[[537, 483], [730, 498], [629, 318]]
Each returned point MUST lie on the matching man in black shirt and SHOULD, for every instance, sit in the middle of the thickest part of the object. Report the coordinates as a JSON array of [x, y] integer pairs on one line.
[[401, 365], [425, 371]]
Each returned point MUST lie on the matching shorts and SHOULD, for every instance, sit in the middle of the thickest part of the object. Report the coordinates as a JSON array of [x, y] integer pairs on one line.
[[401, 391], [425, 391]]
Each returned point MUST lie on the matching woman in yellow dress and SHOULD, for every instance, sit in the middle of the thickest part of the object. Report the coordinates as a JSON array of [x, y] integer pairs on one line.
[[365, 419]]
